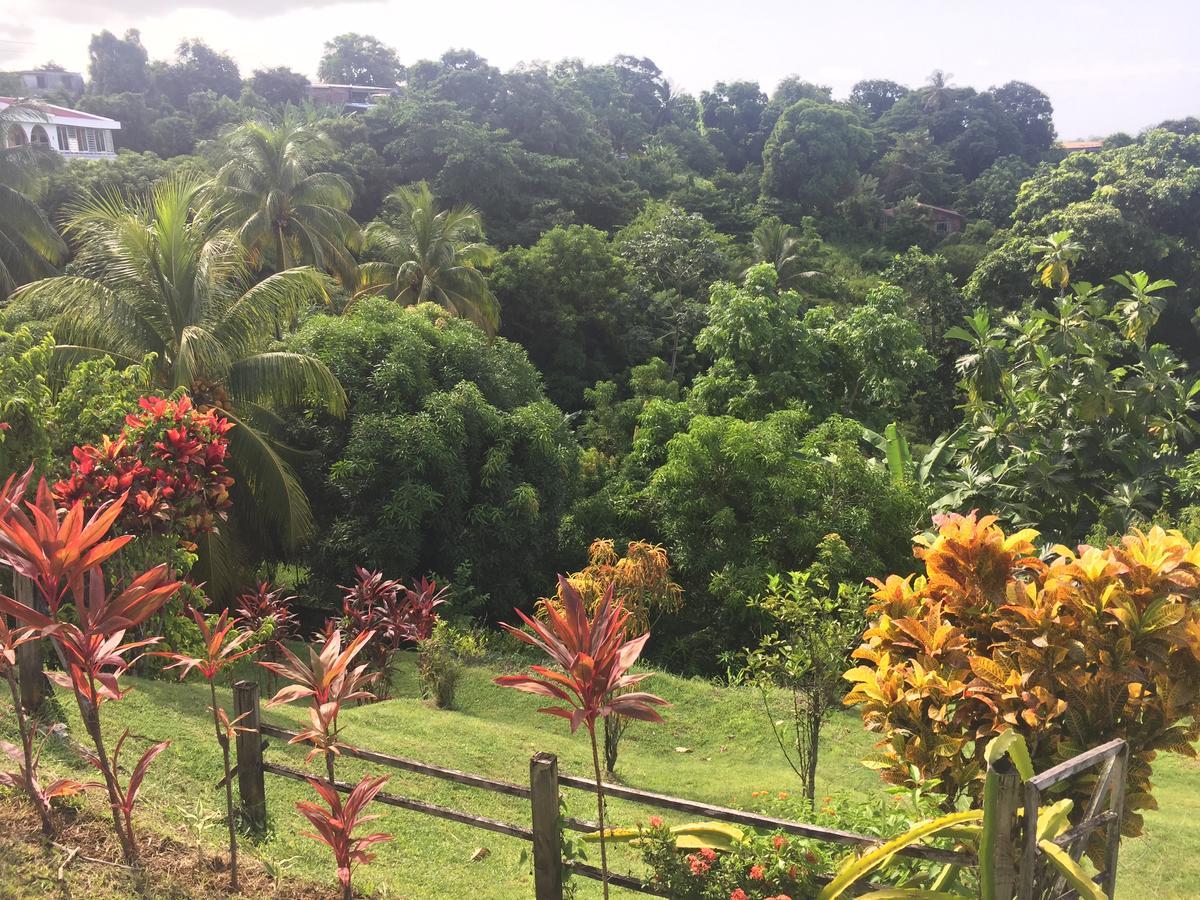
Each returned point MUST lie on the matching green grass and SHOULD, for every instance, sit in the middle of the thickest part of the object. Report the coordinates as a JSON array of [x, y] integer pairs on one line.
[[730, 755]]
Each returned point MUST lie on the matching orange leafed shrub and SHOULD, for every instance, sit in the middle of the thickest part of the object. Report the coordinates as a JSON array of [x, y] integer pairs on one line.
[[1072, 651], [641, 578]]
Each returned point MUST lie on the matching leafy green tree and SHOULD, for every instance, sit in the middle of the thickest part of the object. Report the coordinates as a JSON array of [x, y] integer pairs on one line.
[[282, 206], [197, 67], [814, 154], [568, 301], [914, 167], [173, 135], [420, 253], [877, 96], [156, 275], [280, 86], [732, 116], [1033, 114], [734, 500], [30, 248], [1072, 419], [129, 175], [359, 59], [674, 257], [117, 65], [451, 460], [993, 195]]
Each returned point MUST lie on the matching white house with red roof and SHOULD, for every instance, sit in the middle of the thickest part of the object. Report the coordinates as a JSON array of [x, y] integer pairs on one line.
[[74, 134]]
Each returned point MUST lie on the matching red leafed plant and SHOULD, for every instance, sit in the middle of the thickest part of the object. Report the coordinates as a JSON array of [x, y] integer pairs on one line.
[[335, 825], [25, 778], [595, 657], [170, 459], [56, 551], [223, 646], [327, 681], [422, 599], [126, 797], [62, 553]]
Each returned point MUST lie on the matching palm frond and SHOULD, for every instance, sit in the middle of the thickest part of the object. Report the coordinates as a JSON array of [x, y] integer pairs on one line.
[[286, 380]]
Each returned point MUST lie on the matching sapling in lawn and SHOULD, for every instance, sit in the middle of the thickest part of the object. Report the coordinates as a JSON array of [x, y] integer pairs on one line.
[[222, 647], [595, 658]]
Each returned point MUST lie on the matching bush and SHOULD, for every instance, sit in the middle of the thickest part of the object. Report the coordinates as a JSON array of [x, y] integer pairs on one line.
[[1071, 652], [442, 657]]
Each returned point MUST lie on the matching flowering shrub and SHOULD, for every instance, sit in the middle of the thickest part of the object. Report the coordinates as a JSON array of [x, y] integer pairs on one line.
[[1091, 645], [170, 458], [774, 867]]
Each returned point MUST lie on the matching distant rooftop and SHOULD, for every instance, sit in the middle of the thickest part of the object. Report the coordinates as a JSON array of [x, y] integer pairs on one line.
[[1082, 146]]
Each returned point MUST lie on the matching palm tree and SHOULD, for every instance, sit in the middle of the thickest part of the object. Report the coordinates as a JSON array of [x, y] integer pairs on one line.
[[281, 208], [157, 275], [431, 255], [936, 89], [30, 248], [778, 244]]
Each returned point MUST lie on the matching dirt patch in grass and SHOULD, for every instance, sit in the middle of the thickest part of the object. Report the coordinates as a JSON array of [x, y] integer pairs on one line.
[[83, 861]]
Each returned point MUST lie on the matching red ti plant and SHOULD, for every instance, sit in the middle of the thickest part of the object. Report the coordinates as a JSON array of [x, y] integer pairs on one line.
[[335, 826], [595, 657], [126, 797], [55, 551], [25, 756], [267, 613], [421, 601], [327, 681], [94, 654], [221, 648], [25, 779], [374, 603]]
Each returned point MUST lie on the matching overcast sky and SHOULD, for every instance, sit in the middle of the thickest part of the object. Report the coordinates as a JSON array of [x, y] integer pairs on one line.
[[1106, 65]]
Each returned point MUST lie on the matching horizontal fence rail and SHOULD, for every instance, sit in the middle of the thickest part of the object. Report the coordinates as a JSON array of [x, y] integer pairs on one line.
[[545, 783], [754, 820]]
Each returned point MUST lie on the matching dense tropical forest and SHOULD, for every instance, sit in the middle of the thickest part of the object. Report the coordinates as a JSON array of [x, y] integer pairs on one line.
[[499, 325], [681, 315]]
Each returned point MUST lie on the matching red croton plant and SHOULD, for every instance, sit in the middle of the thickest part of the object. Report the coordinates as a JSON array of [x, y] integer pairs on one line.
[[61, 551], [594, 654], [169, 459]]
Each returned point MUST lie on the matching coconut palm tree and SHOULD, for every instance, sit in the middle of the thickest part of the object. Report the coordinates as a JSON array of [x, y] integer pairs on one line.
[[778, 244], [30, 248], [936, 90], [422, 253], [280, 205], [157, 275]]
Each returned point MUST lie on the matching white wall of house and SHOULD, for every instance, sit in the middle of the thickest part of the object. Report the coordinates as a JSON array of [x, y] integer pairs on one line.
[[66, 134]]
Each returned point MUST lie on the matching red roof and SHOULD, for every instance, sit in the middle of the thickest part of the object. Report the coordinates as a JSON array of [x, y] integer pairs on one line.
[[53, 110]]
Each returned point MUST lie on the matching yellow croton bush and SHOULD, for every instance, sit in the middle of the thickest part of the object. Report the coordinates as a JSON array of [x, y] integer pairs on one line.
[[1070, 650]]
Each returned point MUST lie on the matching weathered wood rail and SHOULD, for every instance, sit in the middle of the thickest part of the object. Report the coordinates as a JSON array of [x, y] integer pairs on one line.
[[1016, 880]]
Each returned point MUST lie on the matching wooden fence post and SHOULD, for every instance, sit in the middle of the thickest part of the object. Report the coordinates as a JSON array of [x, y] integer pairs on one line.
[[547, 846], [1117, 805], [251, 788], [29, 655], [1008, 798]]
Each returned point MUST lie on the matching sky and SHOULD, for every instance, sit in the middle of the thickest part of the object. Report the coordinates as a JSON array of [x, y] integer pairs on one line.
[[1107, 66]]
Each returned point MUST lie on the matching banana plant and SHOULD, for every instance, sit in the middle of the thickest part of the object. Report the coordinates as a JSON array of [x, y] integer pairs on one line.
[[693, 836], [979, 828], [894, 447]]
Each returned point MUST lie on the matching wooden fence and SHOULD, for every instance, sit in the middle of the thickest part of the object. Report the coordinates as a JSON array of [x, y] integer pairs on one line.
[[1022, 876]]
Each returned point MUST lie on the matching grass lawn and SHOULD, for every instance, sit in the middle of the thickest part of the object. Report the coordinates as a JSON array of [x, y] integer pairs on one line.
[[730, 755]]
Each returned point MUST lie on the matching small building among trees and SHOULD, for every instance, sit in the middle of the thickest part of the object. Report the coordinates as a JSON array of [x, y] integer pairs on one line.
[[941, 221], [70, 132]]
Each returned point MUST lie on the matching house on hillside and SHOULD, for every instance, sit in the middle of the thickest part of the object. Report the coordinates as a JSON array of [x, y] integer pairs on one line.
[[1082, 146], [941, 221], [348, 97], [70, 132], [37, 82]]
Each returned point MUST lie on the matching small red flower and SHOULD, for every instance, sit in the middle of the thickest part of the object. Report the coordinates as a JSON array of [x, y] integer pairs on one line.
[[656, 822], [739, 894], [697, 865], [780, 842], [757, 873], [810, 858], [709, 854]]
